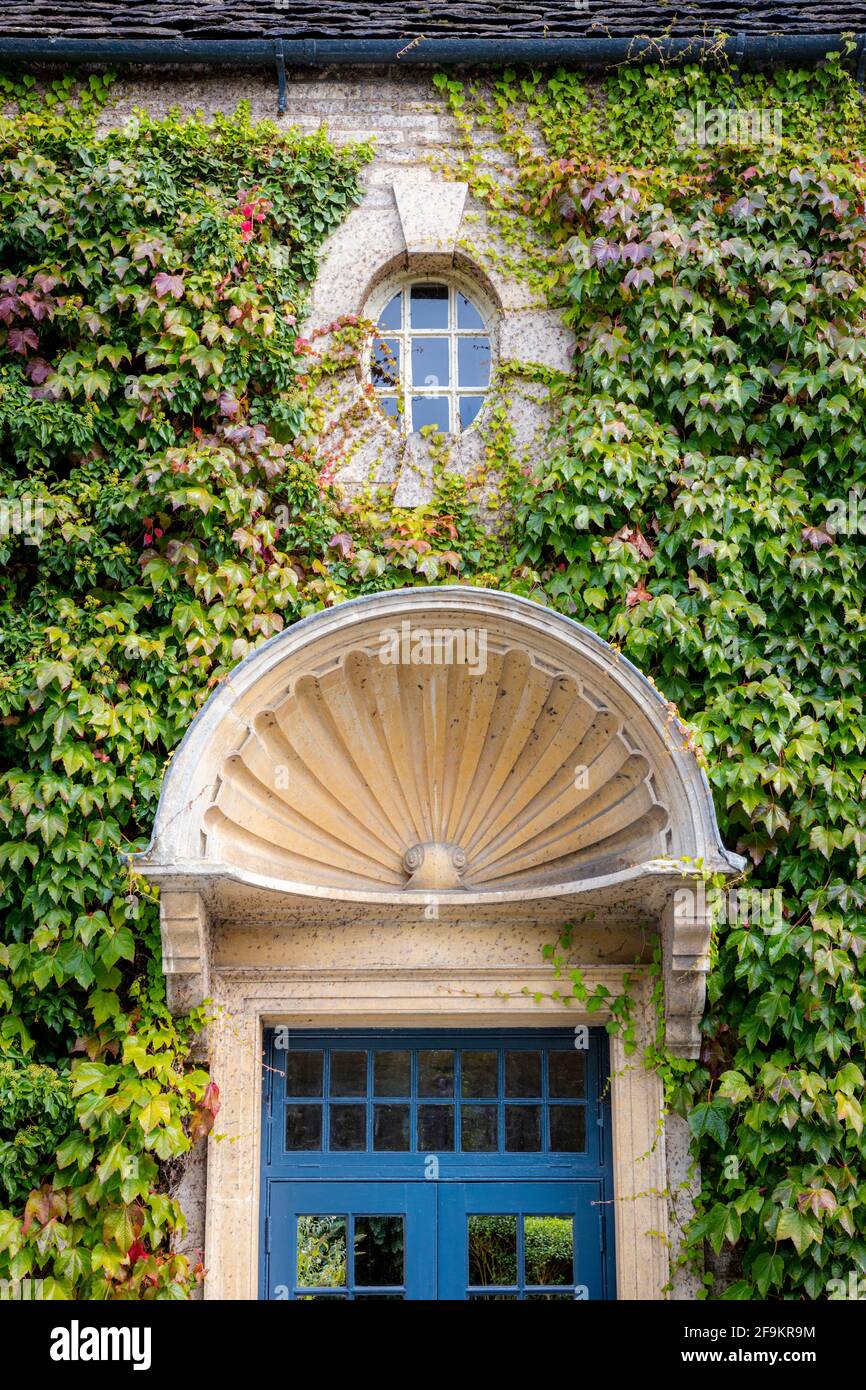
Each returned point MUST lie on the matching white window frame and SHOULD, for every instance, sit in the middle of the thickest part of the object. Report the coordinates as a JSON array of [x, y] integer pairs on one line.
[[405, 391]]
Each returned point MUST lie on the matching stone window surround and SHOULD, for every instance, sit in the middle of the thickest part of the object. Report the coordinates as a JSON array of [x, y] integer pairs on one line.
[[419, 223], [420, 234]]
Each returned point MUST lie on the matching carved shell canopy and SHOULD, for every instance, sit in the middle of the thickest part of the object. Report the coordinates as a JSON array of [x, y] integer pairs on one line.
[[395, 775]]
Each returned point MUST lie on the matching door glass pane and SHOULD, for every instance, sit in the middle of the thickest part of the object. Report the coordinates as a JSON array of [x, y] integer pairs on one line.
[[479, 1074], [479, 1133], [303, 1127], [322, 1251], [473, 361], [304, 1073], [436, 1128], [567, 1073], [391, 315], [467, 314], [378, 1250], [523, 1073], [492, 1249], [428, 306], [548, 1249], [391, 1128], [392, 1073], [436, 1073], [430, 365], [523, 1128], [348, 1073], [348, 1128], [390, 406], [567, 1128], [431, 410]]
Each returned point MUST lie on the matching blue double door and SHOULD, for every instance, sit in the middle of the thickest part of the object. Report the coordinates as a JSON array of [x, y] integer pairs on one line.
[[407, 1165]]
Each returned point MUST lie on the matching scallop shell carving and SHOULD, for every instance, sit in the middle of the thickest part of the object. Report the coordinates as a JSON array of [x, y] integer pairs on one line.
[[390, 777]]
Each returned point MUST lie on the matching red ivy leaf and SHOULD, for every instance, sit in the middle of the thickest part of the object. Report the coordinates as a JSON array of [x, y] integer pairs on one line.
[[813, 534], [20, 339], [342, 541], [165, 284], [640, 594]]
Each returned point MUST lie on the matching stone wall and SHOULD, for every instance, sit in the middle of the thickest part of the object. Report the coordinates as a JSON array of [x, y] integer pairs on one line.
[[415, 139], [415, 143]]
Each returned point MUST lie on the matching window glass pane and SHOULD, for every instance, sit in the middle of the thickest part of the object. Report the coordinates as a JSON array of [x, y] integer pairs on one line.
[[322, 1252], [567, 1128], [392, 314], [304, 1073], [436, 1073], [523, 1073], [378, 1250], [348, 1074], [392, 1073], [467, 314], [473, 361], [390, 406], [479, 1074], [479, 1129], [435, 1128], [492, 1249], [385, 362], [567, 1073], [548, 1249], [303, 1127], [348, 1128], [391, 1128], [428, 306], [430, 364], [469, 407], [430, 410], [523, 1128]]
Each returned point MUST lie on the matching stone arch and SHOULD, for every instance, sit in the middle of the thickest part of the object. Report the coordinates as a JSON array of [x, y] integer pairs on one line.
[[450, 749]]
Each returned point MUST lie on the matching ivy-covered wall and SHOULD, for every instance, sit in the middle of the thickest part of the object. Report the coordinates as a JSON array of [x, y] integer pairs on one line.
[[697, 504]]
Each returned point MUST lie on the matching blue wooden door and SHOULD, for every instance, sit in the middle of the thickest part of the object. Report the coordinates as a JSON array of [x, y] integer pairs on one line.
[[344, 1240], [434, 1165], [530, 1240]]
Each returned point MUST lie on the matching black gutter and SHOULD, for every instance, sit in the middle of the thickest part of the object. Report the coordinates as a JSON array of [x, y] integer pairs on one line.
[[746, 50]]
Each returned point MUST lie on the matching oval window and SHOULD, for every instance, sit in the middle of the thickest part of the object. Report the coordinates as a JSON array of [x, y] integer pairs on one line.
[[430, 362]]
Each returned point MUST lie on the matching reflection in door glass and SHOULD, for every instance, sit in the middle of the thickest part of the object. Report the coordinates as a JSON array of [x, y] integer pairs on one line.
[[479, 1129], [567, 1129], [436, 1128], [304, 1073], [523, 1074], [548, 1249], [348, 1073], [321, 1252], [567, 1074], [492, 1249], [436, 1073], [392, 1073], [391, 1128], [303, 1127], [523, 1128], [379, 1242], [479, 1074], [348, 1128]]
